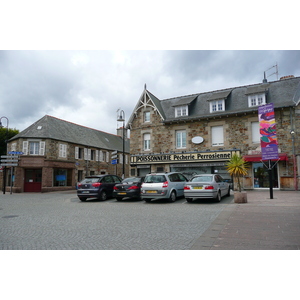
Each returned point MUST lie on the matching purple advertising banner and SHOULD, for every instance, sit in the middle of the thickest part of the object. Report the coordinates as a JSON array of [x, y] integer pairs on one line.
[[267, 129]]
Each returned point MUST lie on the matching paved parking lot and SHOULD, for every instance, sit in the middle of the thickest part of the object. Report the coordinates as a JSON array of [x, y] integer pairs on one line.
[[60, 221]]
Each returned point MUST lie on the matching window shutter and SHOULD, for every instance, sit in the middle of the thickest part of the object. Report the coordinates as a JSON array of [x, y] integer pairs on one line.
[[107, 156], [42, 148], [255, 132], [13, 147], [97, 155], [85, 154], [25, 147], [76, 152], [101, 155], [217, 136], [89, 154]]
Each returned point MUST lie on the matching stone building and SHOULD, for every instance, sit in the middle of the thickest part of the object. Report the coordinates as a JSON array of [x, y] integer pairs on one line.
[[56, 154], [198, 133]]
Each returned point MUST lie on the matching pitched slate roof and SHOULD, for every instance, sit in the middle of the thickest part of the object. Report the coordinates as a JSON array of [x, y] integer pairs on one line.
[[282, 93], [50, 127]]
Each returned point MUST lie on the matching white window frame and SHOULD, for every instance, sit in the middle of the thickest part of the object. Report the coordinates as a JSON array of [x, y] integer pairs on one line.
[[146, 116], [146, 141], [181, 111], [256, 100], [255, 132], [217, 105], [62, 150], [217, 135], [180, 139], [38, 149]]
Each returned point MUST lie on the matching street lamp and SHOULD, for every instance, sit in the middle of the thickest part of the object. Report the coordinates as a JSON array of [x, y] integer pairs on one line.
[[4, 173], [121, 118]]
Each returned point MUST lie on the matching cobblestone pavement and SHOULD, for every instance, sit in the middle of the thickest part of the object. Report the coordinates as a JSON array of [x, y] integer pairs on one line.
[[58, 220]]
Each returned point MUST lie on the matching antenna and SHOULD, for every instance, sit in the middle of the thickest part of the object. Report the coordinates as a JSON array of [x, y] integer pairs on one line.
[[276, 72]]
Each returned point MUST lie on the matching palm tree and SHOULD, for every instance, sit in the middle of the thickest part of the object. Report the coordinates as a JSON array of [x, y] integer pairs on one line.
[[237, 167]]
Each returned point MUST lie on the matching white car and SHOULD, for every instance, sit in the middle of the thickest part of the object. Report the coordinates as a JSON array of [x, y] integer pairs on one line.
[[206, 186], [163, 186]]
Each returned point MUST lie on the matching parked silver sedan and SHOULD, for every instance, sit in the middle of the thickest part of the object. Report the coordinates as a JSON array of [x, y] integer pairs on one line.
[[211, 186]]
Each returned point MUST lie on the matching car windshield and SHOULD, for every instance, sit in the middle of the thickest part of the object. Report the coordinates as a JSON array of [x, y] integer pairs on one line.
[[155, 179], [131, 180], [90, 180], [202, 179]]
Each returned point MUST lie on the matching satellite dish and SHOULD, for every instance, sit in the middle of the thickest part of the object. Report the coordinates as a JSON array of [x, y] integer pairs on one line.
[[197, 139]]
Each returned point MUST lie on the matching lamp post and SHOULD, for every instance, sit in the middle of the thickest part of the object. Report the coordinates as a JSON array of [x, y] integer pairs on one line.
[[4, 173], [121, 118]]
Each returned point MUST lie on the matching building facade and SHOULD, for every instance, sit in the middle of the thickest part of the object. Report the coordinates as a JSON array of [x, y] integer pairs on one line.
[[57, 154], [199, 133]]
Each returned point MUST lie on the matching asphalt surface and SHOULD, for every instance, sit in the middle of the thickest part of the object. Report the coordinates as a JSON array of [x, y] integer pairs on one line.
[[59, 221]]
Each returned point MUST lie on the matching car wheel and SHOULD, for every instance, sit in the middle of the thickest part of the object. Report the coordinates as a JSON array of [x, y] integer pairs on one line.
[[218, 198], [172, 196], [119, 198], [102, 196], [189, 200], [82, 199], [147, 200], [228, 194]]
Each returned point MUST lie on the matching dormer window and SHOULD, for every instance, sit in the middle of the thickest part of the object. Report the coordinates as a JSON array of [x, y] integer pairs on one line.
[[217, 105], [181, 111], [256, 100]]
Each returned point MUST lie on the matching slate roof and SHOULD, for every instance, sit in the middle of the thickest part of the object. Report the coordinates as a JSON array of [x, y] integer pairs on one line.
[[50, 127], [282, 93]]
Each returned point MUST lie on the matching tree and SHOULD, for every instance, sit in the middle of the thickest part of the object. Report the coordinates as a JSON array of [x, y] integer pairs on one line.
[[5, 135], [237, 167]]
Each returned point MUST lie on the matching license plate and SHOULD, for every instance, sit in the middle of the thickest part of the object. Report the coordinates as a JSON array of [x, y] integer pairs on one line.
[[151, 192], [121, 193], [85, 192], [197, 187]]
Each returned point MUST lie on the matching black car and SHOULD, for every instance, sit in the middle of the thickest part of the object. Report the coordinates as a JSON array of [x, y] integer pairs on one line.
[[129, 188], [97, 186]]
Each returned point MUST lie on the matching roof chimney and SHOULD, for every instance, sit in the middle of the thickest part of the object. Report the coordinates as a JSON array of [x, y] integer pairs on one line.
[[287, 77], [265, 79]]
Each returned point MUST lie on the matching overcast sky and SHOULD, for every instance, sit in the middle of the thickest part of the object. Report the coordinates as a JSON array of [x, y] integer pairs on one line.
[[88, 87]]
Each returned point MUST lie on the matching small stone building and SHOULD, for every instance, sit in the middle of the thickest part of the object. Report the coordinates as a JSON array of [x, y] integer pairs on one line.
[[57, 154], [198, 133]]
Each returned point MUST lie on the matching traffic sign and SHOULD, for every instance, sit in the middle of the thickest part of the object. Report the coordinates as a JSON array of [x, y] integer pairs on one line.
[[9, 160], [114, 156], [16, 152], [114, 152], [114, 161], [9, 164]]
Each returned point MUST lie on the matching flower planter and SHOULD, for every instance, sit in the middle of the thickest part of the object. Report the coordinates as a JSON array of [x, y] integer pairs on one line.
[[240, 197]]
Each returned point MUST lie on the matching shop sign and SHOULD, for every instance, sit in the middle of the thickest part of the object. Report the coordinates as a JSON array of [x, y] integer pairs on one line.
[[182, 157]]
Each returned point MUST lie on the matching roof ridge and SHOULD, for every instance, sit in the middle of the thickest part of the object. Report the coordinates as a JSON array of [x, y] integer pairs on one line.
[[232, 88], [81, 125]]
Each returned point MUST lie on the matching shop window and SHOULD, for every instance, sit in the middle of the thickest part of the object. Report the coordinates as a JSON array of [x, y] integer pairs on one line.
[[217, 136], [62, 177], [180, 139]]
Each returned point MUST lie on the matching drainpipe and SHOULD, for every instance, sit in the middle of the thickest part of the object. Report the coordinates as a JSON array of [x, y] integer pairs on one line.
[[292, 132]]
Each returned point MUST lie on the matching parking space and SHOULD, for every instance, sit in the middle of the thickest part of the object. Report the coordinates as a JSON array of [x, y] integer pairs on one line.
[[62, 221]]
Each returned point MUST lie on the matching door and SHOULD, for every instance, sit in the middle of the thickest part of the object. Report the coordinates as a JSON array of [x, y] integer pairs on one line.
[[33, 180]]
